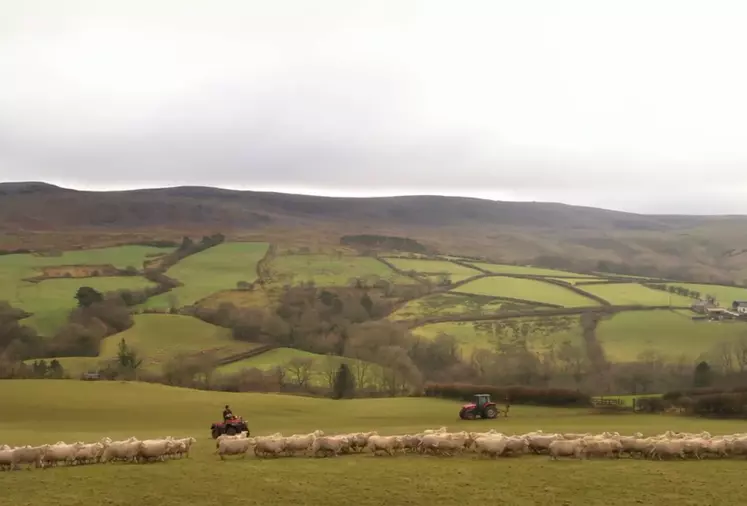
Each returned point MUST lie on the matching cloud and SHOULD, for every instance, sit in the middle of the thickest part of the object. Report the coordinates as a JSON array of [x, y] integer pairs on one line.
[[583, 106]]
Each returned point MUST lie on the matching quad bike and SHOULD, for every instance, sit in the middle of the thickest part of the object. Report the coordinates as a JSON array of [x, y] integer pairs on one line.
[[230, 427]]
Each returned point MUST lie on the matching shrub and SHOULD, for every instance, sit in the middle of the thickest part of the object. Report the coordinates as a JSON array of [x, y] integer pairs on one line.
[[510, 394], [652, 404]]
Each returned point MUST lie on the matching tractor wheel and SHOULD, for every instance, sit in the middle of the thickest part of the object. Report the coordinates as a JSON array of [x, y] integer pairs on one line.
[[469, 415], [231, 431], [491, 412], [215, 433]]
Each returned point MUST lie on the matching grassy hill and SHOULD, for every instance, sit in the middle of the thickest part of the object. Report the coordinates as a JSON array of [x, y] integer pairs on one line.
[[51, 300], [702, 248], [216, 269], [478, 314], [45, 285], [159, 338], [76, 410], [526, 289]]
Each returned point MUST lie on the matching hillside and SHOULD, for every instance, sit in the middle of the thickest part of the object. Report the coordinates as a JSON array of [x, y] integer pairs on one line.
[[691, 248], [259, 316]]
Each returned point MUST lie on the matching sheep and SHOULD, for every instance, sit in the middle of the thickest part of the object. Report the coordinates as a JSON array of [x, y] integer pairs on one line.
[[492, 446], [61, 452], [88, 453], [154, 449], [122, 450], [453, 443], [387, 444], [516, 446], [636, 447], [429, 443], [541, 443], [566, 448], [327, 446], [411, 443], [672, 448], [602, 448], [299, 443], [359, 440], [234, 447], [6, 457], [31, 455], [269, 446]]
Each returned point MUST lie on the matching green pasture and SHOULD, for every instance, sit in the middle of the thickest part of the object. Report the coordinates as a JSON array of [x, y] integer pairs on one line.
[[724, 295], [213, 270], [46, 411], [529, 271], [437, 279], [525, 289], [15, 268], [323, 367], [671, 333], [622, 294], [442, 304], [576, 281], [158, 338], [542, 334], [51, 300], [432, 267], [328, 270]]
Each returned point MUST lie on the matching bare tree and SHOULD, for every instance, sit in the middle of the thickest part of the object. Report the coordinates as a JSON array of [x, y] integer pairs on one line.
[[722, 353], [299, 371], [329, 370], [361, 372], [740, 353]]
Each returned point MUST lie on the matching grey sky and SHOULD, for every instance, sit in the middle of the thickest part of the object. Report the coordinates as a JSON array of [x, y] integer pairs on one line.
[[636, 105]]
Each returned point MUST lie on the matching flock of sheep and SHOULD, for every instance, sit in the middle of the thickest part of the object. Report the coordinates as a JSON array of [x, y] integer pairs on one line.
[[492, 444], [106, 450], [439, 442]]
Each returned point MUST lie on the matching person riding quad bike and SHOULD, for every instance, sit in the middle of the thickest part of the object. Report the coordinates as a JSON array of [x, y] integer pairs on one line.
[[227, 414]]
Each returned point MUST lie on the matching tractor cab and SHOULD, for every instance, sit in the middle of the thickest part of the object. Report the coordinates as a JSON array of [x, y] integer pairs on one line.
[[481, 400], [482, 406]]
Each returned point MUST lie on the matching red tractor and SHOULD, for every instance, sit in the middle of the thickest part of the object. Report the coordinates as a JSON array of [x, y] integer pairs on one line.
[[482, 407], [230, 427]]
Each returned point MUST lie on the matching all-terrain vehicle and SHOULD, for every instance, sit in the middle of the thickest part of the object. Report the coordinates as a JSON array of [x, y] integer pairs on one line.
[[230, 427], [482, 407]]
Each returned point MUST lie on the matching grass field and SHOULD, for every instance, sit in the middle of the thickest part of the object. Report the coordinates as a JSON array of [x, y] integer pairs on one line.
[[628, 399], [544, 333], [530, 271], [442, 304], [213, 270], [672, 333], [621, 294], [322, 365], [724, 295], [159, 337], [239, 298], [326, 270], [76, 410], [575, 281], [437, 279], [433, 267], [526, 289], [51, 300], [14, 268]]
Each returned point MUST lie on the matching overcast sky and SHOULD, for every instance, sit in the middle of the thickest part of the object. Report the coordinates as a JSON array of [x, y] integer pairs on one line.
[[633, 105]]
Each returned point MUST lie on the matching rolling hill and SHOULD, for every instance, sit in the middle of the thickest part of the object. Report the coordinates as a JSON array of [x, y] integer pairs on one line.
[[691, 248]]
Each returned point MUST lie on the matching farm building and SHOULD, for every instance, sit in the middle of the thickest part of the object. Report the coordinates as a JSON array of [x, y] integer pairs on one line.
[[740, 306], [721, 313], [702, 306]]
